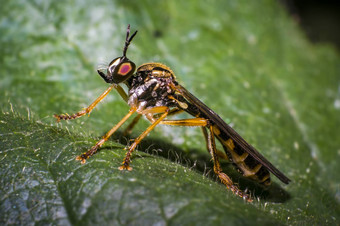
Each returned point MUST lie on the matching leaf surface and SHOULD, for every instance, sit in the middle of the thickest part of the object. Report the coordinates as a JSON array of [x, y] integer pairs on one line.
[[247, 61]]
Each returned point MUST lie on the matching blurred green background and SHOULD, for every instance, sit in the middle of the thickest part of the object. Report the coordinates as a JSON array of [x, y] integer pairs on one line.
[[246, 60]]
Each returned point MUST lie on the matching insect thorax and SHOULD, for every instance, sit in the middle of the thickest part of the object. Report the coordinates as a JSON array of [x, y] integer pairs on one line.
[[150, 87]]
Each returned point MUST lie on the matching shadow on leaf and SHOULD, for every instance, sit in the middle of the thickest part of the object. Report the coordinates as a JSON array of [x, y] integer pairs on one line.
[[202, 163]]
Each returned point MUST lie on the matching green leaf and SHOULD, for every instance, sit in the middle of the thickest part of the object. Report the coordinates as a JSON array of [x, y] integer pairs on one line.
[[248, 61]]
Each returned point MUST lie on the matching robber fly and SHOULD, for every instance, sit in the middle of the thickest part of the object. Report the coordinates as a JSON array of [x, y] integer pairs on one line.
[[154, 93]]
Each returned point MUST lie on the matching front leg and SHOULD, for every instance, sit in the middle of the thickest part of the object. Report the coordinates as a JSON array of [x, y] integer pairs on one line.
[[94, 149], [86, 110]]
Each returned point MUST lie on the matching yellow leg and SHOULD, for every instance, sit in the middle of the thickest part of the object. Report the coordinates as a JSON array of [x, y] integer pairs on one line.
[[129, 128], [195, 122], [173, 111], [220, 154], [93, 105], [202, 122], [185, 122], [218, 170], [94, 149], [126, 162]]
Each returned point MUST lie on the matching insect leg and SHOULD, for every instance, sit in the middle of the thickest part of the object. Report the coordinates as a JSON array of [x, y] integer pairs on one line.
[[129, 128], [94, 149], [220, 154], [218, 170], [86, 110], [122, 93], [173, 111], [185, 122], [126, 161], [194, 122]]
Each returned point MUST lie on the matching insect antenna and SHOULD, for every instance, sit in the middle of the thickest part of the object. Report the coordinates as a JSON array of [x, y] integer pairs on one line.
[[128, 40]]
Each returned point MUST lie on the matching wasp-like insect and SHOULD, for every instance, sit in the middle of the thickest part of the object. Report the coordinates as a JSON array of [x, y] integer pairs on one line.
[[154, 92]]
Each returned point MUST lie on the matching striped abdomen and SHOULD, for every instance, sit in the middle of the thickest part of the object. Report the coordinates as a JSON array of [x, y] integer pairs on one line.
[[244, 162]]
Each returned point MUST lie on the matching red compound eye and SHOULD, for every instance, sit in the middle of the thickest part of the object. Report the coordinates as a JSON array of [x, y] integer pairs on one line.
[[124, 69]]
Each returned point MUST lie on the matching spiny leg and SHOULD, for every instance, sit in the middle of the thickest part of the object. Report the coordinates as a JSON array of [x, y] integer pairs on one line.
[[218, 170], [93, 105], [94, 149], [126, 162], [86, 110]]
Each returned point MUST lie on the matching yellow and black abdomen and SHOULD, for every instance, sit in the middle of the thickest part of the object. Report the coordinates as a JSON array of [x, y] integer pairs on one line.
[[243, 161], [246, 159]]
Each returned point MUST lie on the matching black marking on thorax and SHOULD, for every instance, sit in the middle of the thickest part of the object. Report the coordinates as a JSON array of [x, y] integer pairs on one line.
[[147, 91]]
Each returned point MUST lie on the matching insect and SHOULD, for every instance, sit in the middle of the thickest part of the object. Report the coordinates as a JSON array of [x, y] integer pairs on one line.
[[153, 92]]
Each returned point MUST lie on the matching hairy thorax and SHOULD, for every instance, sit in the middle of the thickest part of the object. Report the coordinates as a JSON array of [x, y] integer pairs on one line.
[[150, 87]]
